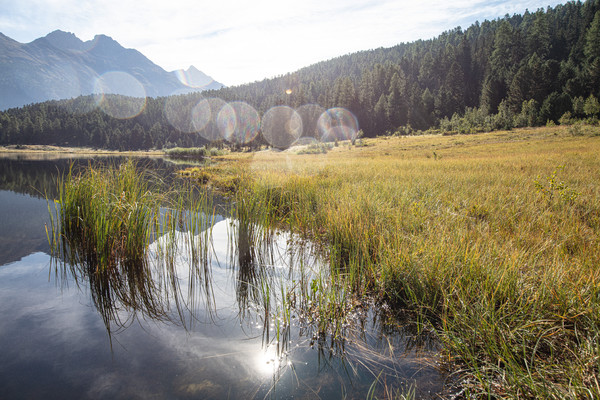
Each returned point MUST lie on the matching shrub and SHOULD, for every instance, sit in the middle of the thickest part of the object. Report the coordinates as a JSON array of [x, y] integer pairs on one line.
[[566, 119]]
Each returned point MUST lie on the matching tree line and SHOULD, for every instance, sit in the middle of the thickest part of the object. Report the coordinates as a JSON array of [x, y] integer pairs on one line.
[[519, 70]]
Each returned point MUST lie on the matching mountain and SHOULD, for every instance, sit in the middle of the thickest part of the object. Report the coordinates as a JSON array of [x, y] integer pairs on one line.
[[515, 71], [194, 78], [60, 66]]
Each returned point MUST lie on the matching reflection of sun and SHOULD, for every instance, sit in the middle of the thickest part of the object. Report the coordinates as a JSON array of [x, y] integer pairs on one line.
[[267, 362]]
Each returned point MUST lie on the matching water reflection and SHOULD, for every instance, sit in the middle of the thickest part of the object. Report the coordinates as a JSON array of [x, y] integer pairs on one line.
[[35, 173], [27, 179], [237, 318], [244, 286], [22, 232]]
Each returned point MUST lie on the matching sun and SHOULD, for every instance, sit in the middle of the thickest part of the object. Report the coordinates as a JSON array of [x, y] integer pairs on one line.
[[267, 362]]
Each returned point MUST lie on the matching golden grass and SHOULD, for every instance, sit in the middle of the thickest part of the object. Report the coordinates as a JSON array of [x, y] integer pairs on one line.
[[492, 240]]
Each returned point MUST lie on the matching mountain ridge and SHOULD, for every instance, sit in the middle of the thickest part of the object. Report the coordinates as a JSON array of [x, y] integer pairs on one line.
[[61, 66]]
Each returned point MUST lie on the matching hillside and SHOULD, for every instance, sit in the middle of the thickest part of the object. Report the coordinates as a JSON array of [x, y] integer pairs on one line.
[[549, 56]]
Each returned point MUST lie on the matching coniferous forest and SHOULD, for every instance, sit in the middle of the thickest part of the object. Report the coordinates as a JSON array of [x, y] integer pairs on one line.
[[523, 70]]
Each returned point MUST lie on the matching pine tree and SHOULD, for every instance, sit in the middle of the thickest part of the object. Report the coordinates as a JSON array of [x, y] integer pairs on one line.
[[538, 37], [396, 106], [381, 121], [592, 54]]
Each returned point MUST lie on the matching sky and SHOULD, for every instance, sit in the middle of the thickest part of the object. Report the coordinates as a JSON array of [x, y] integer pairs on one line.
[[238, 42]]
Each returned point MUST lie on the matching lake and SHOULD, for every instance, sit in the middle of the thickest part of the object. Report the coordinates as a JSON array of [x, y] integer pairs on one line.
[[215, 336]]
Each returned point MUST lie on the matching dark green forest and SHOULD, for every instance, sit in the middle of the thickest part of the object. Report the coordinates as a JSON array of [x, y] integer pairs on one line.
[[522, 70]]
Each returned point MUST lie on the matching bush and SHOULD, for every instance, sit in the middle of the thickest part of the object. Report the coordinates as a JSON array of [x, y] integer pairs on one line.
[[566, 119], [576, 129], [529, 115], [316, 148], [473, 121], [504, 119], [591, 107]]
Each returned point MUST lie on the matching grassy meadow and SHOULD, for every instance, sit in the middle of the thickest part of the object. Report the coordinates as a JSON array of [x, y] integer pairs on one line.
[[491, 241]]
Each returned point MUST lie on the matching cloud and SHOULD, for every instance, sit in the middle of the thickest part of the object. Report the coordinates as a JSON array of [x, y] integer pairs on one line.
[[240, 42]]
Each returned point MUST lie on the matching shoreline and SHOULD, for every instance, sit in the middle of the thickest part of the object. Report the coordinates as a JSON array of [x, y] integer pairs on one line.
[[79, 151]]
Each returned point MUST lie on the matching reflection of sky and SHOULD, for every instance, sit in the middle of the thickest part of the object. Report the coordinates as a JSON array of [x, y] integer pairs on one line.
[[54, 341]]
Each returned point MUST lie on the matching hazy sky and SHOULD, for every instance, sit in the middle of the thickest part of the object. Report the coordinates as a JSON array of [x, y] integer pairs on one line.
[[242, 41]]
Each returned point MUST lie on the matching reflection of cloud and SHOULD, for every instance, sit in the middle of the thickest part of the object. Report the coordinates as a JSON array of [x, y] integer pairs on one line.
[[61, 332], [45, 319]]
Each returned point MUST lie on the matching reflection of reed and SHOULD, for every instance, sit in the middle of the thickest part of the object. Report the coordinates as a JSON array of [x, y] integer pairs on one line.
[[245, 256], [246, 282], [297, 297], [118, 293]]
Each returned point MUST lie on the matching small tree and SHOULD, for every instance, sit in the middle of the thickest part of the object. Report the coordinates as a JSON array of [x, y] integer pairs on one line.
[[591, 106], [578, 103], [358, 135], [504, 118], [529, 114], [566, 119]]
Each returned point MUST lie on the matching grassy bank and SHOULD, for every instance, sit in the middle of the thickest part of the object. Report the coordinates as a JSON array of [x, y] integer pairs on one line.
[[490, 240], [31, 149], [194, 152]]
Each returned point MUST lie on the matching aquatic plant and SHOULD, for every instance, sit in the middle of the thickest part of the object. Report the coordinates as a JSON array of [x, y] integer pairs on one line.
[[104, 222], [145, 250]]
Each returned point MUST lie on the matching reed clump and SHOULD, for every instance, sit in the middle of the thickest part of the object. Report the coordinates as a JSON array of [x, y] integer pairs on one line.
[[490, 240], [107, 215], [118, 228]]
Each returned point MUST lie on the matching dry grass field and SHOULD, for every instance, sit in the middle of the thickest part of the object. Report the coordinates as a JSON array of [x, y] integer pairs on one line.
[[491, 241]]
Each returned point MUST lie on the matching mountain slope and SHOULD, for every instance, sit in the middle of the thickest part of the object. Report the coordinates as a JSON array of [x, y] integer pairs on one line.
[[549, 59], [60, 66]]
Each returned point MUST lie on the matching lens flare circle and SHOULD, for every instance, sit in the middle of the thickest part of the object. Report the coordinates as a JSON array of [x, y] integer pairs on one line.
[[337, 124], [179, 111], [119, 94], [238, 122], [310, 114], [226, 121], [200, 115], [281, 126], [204, 117]]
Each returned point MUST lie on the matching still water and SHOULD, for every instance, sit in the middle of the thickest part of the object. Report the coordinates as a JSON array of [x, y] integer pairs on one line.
[[221, 336]]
